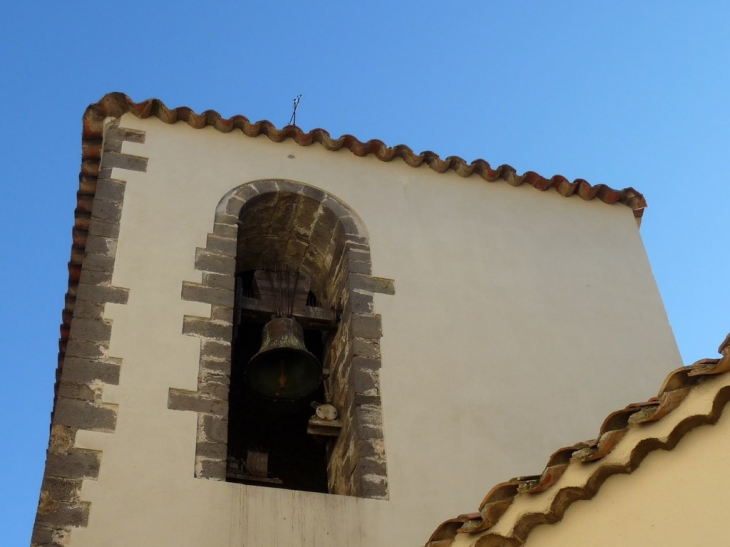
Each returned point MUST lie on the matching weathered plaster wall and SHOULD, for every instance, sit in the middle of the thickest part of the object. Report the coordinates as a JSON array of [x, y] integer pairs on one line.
[[520, 319]]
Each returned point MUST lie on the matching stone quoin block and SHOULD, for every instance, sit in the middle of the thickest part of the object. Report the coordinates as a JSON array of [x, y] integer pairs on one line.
[[215, 263], [101, 228], [206, 328], [222, 245], [223, 229], [109, 211], [77, 369], [219, 281], [91, 329], [95, 293], [208, 295], [84, 415], [63, 514], [212, 469], [215, 429], [86, 349], [99, 262], [191, 400], [77, 464], [124, 161], [110, 190], [92, 277]]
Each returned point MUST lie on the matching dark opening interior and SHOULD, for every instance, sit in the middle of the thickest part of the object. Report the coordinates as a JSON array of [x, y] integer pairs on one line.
[[277, 428]]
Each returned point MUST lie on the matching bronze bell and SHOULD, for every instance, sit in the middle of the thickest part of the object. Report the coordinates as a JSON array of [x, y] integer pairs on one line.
[[283, 368]]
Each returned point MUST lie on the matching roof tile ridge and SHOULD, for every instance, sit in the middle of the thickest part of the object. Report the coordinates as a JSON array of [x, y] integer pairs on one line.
[[676, 387], [115, 104]]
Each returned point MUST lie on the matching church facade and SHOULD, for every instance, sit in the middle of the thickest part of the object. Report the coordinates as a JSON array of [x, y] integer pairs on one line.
[[463, 319]]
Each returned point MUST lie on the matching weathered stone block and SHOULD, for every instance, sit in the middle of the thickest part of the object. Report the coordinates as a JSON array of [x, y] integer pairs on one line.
[[100, 228], [87, 309], [101, 245], [86, 349], [112, 142], [366, 363], [212, 469], [234, 205], [64, 514], [246, 192], [75, 391], [369, 283], [193, 401], [359, 302], [93, 277], [314, 193], [222, 245], [372, 466], [373, 487], [124, 161], [109, 211], [364, 381], [76, 464], [62, 489], [215, 390], [209, 295], [99, 262], [131, 135], [62, 439], [215, 429], [84, 415], [42, 537], [110, 190], [215, 451], [223, 229], [365, 348], [215, 263], [207, 328], [366, 326], [217, 365], [91, 329], [85, 371], [96, 293], [219, 281], [222, 313], [216, 349], [101, 172], [368, 422]]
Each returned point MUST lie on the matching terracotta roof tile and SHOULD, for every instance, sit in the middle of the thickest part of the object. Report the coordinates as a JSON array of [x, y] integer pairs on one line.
[[117, 104], [675, 389]]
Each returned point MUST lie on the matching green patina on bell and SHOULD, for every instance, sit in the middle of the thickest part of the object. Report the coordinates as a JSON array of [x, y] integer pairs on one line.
[[283, 368]]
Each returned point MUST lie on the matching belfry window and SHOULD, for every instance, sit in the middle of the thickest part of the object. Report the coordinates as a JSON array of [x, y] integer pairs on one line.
[[289, 381], [280, 335]]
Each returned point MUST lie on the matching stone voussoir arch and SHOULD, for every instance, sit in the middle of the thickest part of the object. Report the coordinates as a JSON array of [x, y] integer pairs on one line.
[[324, 237]]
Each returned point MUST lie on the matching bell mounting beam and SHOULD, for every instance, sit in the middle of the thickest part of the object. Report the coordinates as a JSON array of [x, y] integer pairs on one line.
[[253, 309]]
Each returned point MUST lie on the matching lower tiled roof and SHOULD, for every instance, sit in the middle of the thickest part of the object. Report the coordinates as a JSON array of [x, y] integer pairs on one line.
[[675, 389]]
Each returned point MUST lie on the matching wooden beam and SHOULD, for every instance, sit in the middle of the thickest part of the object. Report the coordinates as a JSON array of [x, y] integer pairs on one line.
[[308, 316]]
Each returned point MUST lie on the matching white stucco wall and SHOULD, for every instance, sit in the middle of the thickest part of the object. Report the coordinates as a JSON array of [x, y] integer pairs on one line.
[[521, 318]]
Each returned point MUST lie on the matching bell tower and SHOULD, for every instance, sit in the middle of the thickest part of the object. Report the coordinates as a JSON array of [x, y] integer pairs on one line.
[[277, 338]]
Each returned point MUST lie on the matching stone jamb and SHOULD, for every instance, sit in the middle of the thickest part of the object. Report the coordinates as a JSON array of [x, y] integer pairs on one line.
[[85, 364], [357, 464]]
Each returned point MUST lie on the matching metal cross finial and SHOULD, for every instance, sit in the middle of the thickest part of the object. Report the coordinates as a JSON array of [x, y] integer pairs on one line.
[[293, 119]]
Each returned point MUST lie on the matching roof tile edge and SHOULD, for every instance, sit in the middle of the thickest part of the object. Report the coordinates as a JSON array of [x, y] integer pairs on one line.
[[676, 387]]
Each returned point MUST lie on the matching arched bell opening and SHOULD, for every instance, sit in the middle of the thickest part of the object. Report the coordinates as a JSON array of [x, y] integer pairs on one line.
[[283, 325], [261, 228]]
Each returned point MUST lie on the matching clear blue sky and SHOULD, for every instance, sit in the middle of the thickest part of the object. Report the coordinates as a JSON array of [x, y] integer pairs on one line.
[[619, 92]]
